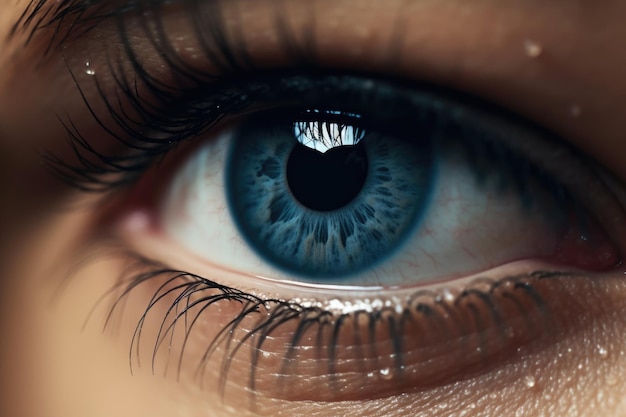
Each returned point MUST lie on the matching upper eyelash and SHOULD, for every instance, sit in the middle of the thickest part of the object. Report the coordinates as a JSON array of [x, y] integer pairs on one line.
[[70, 18], [179, 116], [151, 98]]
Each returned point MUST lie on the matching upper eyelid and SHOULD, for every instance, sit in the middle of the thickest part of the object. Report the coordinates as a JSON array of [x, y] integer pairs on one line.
[[536, 103], [227, 50]]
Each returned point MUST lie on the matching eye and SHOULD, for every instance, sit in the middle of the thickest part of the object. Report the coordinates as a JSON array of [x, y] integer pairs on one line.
[[381, 187]]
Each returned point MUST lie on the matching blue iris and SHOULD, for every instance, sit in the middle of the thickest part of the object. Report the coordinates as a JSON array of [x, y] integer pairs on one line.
[[326, 200]]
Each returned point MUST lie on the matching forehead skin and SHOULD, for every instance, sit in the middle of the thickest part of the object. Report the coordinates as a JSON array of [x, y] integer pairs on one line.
[[581, 66]]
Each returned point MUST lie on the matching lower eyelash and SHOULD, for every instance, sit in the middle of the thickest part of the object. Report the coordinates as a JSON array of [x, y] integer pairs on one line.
[[379, 337]]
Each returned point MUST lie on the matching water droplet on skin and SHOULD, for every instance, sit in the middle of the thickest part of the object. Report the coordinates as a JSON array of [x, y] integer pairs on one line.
[[89, 70], [370, 374], [533, 49], [580, 366], [529, 381], [603, 352], [386, 373]]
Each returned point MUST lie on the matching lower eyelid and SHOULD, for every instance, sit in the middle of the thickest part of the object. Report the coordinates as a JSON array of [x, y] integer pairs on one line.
[[291, 350]]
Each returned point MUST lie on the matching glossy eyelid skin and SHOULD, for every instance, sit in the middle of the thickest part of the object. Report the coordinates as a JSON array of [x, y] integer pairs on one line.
[[419, 403]]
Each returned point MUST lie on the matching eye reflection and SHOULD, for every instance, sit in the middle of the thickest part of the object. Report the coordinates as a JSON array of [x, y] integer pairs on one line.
[[327, 180], [330, 168], [323, 136]]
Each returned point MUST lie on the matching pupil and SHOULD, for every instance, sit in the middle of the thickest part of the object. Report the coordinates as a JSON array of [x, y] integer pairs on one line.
[[327, 181]]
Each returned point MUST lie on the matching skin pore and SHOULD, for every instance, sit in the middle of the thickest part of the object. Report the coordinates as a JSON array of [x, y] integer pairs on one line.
[[559, 64]]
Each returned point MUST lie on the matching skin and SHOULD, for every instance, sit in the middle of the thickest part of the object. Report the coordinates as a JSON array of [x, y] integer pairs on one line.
[[53, 365]]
